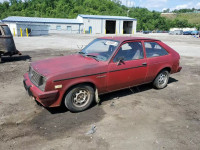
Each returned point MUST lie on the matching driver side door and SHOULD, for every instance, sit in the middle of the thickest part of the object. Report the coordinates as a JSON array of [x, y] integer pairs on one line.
[[128, 67]]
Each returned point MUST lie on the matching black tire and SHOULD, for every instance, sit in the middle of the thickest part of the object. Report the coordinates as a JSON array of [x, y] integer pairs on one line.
[[161, 80], [1, 57], [79, 98], [1, 61]]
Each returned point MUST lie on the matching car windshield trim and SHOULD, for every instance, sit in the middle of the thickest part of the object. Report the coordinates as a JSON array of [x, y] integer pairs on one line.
[[81, 52]]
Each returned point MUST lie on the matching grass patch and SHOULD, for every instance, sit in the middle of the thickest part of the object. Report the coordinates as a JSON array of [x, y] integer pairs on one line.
[[193, 18]]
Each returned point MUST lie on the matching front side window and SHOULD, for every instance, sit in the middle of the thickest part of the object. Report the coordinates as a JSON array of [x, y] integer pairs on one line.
[[101, 49], [130, 51], [153, 49]]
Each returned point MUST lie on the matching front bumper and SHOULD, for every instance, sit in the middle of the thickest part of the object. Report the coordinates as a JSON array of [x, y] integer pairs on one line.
[[45, 98]]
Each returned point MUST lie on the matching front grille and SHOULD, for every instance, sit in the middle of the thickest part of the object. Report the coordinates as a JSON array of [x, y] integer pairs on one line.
[[35, 77]]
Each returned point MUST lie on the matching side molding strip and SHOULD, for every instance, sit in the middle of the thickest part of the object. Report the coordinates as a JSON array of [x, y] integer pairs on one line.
[[97, 74]]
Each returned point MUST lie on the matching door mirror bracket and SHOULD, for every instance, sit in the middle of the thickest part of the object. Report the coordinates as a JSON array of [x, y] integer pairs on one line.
[[120, 61]]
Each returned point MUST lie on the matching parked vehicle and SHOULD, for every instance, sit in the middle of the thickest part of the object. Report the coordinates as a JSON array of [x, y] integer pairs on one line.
[[165, 31], [106, 64], [146, 32], [178, 32], [171, 32], [7, 45], [195, 32], [159, 31], [187, 32]]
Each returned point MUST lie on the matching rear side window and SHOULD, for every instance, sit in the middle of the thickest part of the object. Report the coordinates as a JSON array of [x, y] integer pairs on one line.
[[6, 30], [153, 49]]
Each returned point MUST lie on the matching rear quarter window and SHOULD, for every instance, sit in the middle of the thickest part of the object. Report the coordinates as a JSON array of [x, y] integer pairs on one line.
[[153, 49]]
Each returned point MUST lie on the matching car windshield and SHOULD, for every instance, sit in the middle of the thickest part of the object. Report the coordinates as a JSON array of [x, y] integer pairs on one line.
[[100, 49]]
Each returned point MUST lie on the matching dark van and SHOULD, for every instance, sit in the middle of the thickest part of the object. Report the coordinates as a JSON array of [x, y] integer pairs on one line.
[[7, 45]]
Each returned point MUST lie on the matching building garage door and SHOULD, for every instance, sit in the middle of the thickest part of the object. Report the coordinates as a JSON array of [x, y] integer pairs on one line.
[[110, 26]]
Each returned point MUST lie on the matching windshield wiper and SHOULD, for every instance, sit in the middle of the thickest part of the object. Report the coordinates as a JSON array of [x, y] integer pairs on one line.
[[92, 56], [81, 52]]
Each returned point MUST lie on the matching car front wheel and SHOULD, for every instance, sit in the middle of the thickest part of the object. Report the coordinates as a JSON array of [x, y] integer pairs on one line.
[[161, 80], [79, 98]]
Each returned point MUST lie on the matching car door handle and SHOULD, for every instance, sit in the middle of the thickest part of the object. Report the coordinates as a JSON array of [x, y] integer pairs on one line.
[[144, 64]]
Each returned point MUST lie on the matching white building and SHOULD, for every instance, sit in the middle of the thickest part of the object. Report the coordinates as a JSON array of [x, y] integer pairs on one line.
[[97, 24], [92, 24], [42, 26]]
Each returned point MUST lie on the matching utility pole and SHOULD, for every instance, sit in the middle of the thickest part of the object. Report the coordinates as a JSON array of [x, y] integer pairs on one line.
[[128, 13]]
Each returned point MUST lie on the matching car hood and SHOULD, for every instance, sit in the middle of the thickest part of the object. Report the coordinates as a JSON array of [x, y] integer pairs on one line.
[[73, 65]]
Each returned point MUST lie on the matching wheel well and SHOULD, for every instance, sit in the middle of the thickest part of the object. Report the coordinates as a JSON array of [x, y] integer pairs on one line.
[[166, 68], [87, 83]]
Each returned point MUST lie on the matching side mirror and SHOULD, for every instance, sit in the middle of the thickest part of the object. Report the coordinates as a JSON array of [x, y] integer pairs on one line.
[[120, 61]]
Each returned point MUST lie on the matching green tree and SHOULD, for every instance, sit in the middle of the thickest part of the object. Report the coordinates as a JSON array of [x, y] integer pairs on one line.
[[147, 20]]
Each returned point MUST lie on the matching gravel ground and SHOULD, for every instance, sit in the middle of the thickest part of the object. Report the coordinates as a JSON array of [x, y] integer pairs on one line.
[[138, 118]]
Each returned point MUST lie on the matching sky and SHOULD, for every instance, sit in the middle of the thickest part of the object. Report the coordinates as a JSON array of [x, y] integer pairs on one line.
[[160, 5]]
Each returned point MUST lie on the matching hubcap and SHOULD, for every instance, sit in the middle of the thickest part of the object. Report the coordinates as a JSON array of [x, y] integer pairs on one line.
[[162, 79], [81, 97]]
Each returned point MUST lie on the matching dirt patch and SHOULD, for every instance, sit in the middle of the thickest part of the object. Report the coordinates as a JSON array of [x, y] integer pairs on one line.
[[22, 118]]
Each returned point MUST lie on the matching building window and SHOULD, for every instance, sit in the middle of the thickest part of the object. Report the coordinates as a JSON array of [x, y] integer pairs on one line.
[[58, 27], [69, 28]]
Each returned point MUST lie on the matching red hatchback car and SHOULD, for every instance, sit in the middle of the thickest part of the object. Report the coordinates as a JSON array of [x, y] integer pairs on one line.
[[106, 64]]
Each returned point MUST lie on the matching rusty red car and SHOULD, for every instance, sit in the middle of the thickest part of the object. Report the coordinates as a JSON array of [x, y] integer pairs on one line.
[[106, 64]]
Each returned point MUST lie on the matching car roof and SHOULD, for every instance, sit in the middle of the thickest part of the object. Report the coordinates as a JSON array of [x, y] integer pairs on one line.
[[127, 38]]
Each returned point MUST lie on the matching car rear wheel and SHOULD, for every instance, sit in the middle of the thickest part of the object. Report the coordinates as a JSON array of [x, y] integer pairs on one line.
[[79, 98], [1, 57], [161, 80]]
